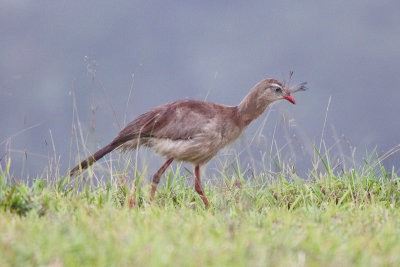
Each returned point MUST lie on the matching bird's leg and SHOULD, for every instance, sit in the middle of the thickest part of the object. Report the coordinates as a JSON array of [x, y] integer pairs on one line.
[[157, 176], [198, 187]]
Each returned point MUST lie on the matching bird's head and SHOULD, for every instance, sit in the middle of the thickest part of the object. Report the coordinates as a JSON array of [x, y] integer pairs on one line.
[[271, 90], [264, 93]]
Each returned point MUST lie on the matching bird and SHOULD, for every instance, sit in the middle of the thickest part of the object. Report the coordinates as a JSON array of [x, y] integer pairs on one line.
[[193, 130]]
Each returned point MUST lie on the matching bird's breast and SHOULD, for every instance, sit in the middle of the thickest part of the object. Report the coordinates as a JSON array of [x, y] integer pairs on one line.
[[199, 148]]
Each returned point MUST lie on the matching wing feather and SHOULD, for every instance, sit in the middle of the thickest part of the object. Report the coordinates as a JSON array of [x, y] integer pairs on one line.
[[180, 120]]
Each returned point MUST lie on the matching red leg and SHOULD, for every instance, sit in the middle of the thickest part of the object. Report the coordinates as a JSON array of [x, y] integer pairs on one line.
[[198, 187], [157, 176]]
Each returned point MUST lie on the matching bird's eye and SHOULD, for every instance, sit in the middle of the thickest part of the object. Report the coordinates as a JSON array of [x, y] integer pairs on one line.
[[278, 90]]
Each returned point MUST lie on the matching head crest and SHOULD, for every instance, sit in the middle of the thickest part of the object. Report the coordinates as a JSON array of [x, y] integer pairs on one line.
[[298, 87]]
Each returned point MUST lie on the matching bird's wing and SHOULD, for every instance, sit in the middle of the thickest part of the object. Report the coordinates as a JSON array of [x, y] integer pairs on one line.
[[180, 120]]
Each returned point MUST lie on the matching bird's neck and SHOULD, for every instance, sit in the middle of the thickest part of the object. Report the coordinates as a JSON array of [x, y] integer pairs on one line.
[[251, 107]]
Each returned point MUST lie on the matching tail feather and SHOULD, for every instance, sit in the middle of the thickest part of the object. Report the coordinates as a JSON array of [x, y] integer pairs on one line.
[[93, 158]]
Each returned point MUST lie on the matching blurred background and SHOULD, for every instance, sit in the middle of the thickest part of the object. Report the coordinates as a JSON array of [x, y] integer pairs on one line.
[[72, 73]]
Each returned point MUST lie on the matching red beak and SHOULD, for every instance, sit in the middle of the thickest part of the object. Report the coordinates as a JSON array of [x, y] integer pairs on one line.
[[290, 99]]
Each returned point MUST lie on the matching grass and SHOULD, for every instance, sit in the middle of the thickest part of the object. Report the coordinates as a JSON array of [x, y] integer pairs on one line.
[[331, 219], [335, 215]]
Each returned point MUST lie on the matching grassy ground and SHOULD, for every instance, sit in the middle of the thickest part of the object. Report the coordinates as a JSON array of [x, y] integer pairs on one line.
[[333, 219]]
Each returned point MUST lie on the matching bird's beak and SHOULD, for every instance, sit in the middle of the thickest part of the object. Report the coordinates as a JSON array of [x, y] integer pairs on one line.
[[290, 99]]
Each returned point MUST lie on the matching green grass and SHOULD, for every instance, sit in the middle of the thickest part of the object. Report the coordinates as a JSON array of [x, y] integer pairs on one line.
[[333, 219], [335, 215]]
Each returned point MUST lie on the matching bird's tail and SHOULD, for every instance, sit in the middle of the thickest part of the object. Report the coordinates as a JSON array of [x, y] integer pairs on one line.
[[93, 158]]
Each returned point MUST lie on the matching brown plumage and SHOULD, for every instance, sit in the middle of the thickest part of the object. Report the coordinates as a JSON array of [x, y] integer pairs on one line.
[[192, 130]]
